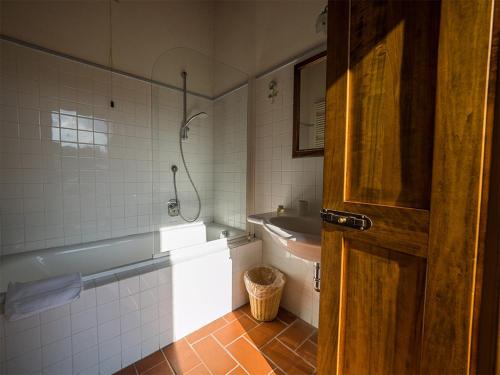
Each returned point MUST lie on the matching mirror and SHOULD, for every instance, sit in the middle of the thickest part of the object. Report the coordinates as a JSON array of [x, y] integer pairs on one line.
[[309, 106]]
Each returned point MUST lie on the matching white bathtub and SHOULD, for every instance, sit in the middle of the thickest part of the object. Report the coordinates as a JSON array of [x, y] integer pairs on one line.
[[100, 258], [123, 316]]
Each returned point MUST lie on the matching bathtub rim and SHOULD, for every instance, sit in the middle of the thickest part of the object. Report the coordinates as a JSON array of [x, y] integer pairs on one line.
[[150, 265]]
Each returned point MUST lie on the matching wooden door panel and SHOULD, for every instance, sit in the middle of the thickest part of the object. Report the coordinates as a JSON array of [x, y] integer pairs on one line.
[[404, 144], [384, 308], [402, 229], [392, 85]]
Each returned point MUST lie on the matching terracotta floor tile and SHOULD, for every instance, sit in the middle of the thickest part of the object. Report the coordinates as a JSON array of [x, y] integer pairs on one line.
[[309, 351], [233, 315], [214, 356], [314, 337], [161, 369], [249, 358], [286, 316], [181, 356], [238, 371], [234, 329], [287, 360], [130, 370], [277, 371], [246, 309], [201, 352], [148, 362], [296, 333], [264, 332], [206, 330], [199, 370]]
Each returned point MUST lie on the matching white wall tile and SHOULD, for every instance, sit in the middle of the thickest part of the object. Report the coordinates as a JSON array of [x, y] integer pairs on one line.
[[110, 365], [86, 359], [87, 300], [63, 367], [29, 362], [14, 327], [149, 314], [131, 355], [230, 159], [129, 286], [109, 348], [84, 340], [130, 321], [150, 345], [107, 293], [22, 342], [131, 338], [130, 303], [149, 280], [56, 352], [83, 320], [149, 297], [109, 330], [108, 311], [55, 330]]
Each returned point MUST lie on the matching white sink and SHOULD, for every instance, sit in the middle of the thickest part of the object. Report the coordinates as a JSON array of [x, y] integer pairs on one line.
[[301, 235]]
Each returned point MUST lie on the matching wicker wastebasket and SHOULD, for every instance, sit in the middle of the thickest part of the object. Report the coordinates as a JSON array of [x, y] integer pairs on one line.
[[264, 286]]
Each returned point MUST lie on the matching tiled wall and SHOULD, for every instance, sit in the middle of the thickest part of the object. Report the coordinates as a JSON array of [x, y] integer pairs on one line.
[[75, 170], [127, 317], [279, 179], [230, 154]]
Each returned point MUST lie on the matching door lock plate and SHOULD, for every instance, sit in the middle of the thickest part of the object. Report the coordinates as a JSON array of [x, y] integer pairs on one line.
[[346, 219]]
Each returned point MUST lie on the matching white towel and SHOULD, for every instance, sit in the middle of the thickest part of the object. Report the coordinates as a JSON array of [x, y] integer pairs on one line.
[[26, 299]]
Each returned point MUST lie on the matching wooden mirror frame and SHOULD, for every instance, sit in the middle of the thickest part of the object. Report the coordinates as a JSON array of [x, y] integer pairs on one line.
[[296, 151]]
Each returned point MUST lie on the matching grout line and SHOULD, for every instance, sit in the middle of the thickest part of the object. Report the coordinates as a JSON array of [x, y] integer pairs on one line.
[[202, 364], [302, 343], [307, 338], [267, 358], [248, 340], [197, 355], [230, 354], [294, 352], [197, 341], [166, 359], [234, 368], [158, 364]]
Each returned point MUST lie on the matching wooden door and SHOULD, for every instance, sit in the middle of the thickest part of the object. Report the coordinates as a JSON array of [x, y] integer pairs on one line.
[[405, 139]]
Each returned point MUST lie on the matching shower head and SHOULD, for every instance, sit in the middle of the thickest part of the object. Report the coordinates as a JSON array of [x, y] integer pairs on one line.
[[200, 115]]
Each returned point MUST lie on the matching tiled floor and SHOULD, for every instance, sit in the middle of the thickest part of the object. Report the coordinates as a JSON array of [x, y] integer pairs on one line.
[[237, 344]]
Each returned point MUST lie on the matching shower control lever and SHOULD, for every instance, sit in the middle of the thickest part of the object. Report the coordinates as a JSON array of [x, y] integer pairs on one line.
[[173, 207]]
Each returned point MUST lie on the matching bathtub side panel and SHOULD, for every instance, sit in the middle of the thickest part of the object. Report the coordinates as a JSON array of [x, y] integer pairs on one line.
[[201, 292]]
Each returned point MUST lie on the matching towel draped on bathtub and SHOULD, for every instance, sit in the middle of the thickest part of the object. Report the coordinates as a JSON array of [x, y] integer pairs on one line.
[[25, 299]]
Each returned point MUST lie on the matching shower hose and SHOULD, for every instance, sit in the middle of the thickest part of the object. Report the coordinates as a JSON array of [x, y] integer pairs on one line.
[[189, 220]]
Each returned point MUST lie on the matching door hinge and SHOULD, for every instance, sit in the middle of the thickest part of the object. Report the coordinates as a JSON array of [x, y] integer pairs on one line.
[[346, 219]]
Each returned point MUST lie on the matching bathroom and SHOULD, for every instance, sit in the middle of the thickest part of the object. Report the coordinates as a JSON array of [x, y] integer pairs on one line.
[[249, 187], [90, 142]]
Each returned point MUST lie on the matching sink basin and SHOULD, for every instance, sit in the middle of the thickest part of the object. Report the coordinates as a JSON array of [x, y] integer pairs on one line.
[[297, 224], [300, 235]]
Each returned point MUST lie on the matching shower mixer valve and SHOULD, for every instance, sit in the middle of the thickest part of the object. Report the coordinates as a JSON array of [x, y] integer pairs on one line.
[[173, 207]]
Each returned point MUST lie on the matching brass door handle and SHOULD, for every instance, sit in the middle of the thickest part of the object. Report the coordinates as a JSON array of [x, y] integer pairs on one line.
[[346, 219]]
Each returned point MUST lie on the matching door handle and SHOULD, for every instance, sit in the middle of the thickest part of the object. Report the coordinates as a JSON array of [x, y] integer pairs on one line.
[[346, 219]]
